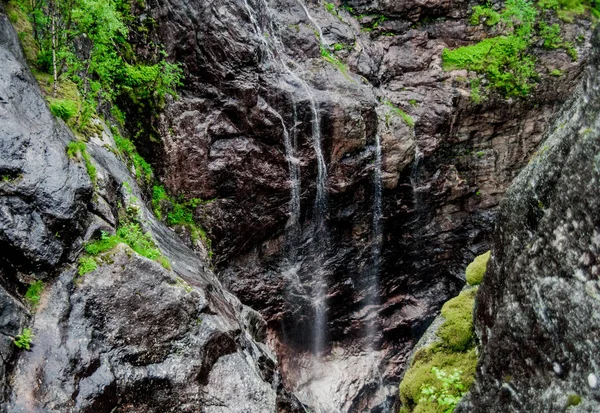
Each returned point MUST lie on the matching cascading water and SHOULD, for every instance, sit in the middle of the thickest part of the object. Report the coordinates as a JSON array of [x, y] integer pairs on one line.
[[271, 41], [372, 299]]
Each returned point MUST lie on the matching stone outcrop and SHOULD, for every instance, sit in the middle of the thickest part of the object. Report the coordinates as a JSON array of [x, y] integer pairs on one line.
[[254, 66], [537, 309], [131, 335]]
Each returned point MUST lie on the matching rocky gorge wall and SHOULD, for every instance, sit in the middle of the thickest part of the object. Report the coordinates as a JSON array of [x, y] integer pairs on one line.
[[256, 73], [129, 335], [537, 309], [348, 179]]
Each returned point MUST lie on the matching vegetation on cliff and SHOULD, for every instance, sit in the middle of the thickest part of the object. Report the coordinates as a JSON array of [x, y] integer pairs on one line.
[[507, 60], [442, 372]]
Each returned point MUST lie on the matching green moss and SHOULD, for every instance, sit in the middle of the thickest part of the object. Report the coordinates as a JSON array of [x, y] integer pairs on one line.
[[551, 35], [573, 400], [397, 111], [453, 354], [24, 29], [420, 375], [490, 16], [556, 72], [457, 330], [34, 293], [75, 150], [476, 270], [476, 96]]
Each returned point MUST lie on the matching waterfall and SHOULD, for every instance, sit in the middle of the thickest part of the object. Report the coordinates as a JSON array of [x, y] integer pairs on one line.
[[373, 300], [319, 233]]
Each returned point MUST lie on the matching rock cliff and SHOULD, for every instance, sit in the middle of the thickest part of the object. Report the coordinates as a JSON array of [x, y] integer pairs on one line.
[[348, 178], [537, 309], [129, 335], [281, 95]]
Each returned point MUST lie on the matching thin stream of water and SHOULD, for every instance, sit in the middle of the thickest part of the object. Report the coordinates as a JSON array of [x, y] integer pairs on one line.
[[319, 234]]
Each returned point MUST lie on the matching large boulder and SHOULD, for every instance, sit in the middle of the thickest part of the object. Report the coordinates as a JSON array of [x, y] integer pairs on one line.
[[537, 313]]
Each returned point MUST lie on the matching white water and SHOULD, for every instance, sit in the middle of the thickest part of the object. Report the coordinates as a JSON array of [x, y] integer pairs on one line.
[[373, 299], [272, 43]]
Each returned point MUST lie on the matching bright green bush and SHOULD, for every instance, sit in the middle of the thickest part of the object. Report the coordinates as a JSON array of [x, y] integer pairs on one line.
[[34, 293], [63, 108], [476, 270], [23, 340], [501, 58]]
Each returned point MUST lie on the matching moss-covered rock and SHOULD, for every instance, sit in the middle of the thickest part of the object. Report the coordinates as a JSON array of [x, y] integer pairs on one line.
[[420, 374], [454, 351], [457, 330], [476, 269]]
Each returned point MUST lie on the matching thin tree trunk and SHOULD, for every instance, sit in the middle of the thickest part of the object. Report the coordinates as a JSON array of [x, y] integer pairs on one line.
[[53, 34]]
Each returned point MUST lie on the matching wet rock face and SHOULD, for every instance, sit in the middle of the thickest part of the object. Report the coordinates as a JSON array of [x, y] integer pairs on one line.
[[42, 195], [144, 341], [537, 310], [130, 336], [224, 141]]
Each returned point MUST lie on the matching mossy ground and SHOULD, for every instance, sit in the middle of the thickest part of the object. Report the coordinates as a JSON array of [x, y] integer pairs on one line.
[[454, 351], [476, 270]]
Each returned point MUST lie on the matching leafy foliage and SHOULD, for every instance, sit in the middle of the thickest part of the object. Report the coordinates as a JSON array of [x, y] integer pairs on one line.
[[506, 60], [178, 212], [34, 293], [75, 150], [63, 108], [449, 391], [23, 340], [86, 42], [86, 265], [142, 169], [129, 233]]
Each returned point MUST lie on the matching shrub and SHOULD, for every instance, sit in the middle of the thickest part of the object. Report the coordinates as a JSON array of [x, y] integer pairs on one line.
[[178, 212], [63, 108], [34, 293], [23, 340], [476, 270]]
